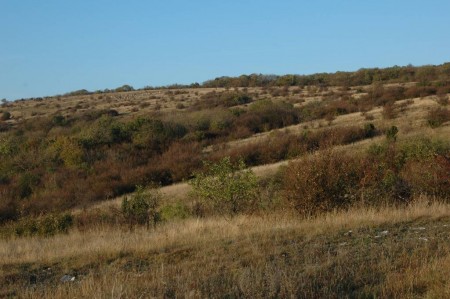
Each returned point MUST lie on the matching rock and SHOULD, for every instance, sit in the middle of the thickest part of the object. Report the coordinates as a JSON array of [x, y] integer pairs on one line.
[[67, 278], [382, 234]]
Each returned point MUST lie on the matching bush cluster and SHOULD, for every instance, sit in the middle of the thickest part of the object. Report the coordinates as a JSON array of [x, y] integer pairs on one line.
[[47, 225], [423, 74], [389, 173]]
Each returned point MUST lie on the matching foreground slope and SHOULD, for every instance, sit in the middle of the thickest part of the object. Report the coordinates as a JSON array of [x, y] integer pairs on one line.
[[360, 253]]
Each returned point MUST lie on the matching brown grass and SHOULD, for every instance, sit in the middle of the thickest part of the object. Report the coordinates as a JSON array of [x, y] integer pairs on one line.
[[278, 255]]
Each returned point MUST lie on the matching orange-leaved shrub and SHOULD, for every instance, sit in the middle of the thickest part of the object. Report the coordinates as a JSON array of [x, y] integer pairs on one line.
[[387, 174], [321, 183]]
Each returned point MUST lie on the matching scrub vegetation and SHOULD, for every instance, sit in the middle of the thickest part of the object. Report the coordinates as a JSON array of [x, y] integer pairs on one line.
[[327, 185]]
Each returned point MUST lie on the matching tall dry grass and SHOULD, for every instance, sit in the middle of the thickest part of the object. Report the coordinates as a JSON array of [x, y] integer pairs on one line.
[[278, 255]]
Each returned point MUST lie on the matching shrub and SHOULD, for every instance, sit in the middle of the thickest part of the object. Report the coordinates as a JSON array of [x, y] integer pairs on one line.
[[335, 181], [382, 181], [391, 133], [181, 159], [45, 226], [442, 99], [59, 120], [142, 207], [369, 130], [5, 116], [321, 184], [174, 211], [124, 88], [266, 115], [225, 99], [27, 182], [68, 151], [438, 116], [382, 184], [230, 99], [4, 127], [8, 210], [229, 188], [389, 111], [427, 166], [428, 176]]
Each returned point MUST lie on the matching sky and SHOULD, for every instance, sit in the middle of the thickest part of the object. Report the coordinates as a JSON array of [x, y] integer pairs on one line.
[[52, 47]]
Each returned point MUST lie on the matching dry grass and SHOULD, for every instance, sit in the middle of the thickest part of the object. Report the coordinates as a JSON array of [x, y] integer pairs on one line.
[[278, 255]]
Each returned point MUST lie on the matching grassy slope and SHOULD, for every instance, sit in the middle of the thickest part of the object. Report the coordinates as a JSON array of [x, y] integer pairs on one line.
[[275, 255], [259, 256]]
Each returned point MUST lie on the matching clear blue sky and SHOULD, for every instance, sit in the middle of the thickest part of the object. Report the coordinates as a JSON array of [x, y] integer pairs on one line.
[[55, 46]]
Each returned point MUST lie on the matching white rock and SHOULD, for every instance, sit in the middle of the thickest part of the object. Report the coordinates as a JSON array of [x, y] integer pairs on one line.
[[417, 228], [67, 278]]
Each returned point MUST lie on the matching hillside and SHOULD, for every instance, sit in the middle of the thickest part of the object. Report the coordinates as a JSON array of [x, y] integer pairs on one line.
[[328, 185]]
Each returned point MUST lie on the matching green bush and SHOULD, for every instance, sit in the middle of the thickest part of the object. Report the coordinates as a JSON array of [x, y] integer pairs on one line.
[[174, 211], [27, 182], [142, 207], [44, 226], [230, 99], [59, 120], [391, 133], [228, 188]]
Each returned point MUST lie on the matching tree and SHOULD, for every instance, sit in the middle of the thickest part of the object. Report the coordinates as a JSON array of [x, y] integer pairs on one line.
[[142, 207], [229, 188]]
